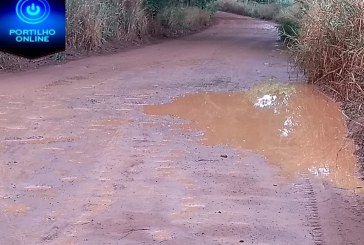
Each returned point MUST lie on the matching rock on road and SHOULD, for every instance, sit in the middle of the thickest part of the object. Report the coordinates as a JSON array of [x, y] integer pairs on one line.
[[80, 163]]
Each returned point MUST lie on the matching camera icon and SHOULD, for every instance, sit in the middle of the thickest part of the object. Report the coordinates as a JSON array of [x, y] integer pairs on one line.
[[33, 11]]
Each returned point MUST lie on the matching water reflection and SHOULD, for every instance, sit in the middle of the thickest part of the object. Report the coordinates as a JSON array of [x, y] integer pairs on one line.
[[294, 127]]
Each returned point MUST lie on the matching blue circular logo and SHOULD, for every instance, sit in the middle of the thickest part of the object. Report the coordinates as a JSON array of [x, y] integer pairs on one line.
[[33, 11]]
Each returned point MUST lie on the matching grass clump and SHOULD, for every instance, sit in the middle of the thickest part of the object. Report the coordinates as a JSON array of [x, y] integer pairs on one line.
[[184, 18], [266, 11], [330, 47], [91, 23], [289, 19], [9, 61]]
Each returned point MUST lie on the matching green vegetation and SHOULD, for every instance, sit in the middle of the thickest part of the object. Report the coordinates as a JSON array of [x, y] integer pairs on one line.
[[188, 18], [289, 19], [254, 9], [156, 6]]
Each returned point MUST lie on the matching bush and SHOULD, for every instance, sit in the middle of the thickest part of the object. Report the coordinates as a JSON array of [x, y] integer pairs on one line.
[[267, 11], [187, 18], [157, 6], [252, 9], [202, 4], [330, 47], [288, 20], [231, 6]]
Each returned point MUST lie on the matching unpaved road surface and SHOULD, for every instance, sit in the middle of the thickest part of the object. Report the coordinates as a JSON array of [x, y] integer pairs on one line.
[[84, 160]]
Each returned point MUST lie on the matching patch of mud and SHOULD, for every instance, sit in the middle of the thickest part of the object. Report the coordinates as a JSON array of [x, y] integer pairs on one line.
[[35, 140], [40, 188], [58, 83], [110, 122], [78, 78], [15, 209], [293, 126]]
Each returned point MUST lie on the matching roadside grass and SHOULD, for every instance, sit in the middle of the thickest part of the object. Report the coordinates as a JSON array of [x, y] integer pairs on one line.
[[252, 9], [91, 23], [176, 19], [330, 47], [8, 61], [289, 19]]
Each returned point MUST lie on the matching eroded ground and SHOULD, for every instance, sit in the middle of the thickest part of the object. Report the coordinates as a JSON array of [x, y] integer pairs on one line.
[[85, 159]]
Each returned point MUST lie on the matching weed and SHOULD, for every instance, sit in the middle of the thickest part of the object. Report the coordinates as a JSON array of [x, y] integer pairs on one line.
[[252, 9], [187, 18], [330, 47], [90, 23], [288, 20]]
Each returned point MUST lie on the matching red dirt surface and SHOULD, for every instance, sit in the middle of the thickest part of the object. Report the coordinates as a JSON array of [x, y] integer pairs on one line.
[[80, 163]]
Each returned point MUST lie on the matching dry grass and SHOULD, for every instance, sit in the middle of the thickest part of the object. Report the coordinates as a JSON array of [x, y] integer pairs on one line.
[[330, 47], [9, 61], [181, 19], [90, 23]]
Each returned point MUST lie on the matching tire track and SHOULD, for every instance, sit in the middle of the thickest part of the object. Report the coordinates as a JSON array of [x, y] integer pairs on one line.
[[312, 210]]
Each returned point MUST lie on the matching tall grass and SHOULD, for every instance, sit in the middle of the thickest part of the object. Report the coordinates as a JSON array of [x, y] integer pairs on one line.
[[289, 19], [330, 47], [90, 23]]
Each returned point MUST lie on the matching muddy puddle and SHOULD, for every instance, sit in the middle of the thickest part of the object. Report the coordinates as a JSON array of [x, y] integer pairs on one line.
[[293, 126]]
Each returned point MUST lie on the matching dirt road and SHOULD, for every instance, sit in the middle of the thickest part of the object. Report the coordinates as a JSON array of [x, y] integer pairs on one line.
[[84, 160]]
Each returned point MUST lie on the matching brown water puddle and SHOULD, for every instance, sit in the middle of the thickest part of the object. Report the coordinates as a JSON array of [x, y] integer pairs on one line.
[[293, 126]]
